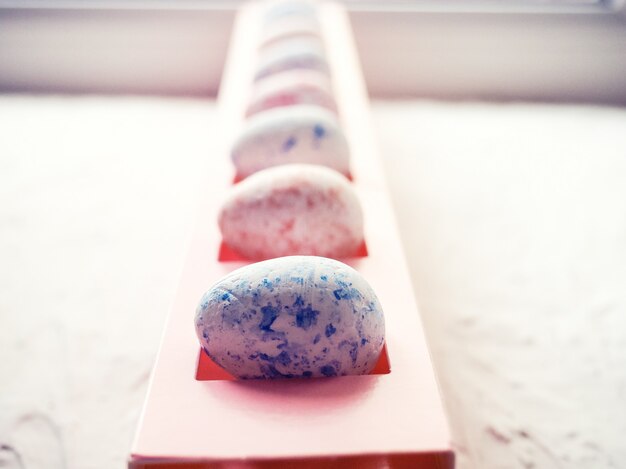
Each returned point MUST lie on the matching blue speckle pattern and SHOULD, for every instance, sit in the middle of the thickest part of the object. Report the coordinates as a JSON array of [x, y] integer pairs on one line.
[[319, 131], [324, 320], [289, 144], [270, 314], [299, 134]]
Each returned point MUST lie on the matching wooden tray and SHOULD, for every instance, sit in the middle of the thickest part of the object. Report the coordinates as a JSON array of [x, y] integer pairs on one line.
[[197, 416]]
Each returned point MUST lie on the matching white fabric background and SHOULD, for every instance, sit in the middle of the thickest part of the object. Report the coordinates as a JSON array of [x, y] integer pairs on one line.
[[513, 218]]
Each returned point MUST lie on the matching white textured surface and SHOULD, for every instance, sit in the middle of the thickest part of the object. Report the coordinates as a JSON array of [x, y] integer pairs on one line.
[[514, 224], [97, 199], [513, 219]]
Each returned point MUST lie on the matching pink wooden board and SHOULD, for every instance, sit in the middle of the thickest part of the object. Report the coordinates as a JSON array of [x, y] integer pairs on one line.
[[393, 418]]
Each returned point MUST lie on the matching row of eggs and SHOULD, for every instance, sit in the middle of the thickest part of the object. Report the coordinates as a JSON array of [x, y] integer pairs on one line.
[[298, 313]]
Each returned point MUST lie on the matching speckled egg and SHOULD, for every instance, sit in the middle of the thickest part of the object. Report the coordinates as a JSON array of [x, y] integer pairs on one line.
[[303, 53], [292, 209], [283, 9], [292, 134], [289, 28], [292, 317], [290, 88]]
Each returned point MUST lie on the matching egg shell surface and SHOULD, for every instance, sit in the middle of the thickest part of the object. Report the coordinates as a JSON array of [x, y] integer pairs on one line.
[[291, 134], [289, 28], [282, 9], [290, 88], [292, 317], [305, 53], [292, 209]]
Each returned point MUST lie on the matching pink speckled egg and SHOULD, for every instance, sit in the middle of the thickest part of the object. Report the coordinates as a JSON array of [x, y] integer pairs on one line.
[[291, 88], [293, 209], [302, 53]]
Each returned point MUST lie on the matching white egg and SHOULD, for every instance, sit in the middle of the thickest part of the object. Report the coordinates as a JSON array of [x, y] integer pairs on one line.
[[292, 134], [290, 88], [292, 317], [292, 209]]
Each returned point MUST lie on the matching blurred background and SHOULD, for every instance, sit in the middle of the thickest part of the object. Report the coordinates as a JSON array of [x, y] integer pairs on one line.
[[503, 133]]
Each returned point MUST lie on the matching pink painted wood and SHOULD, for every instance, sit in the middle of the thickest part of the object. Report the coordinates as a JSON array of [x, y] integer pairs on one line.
[[395, 419]]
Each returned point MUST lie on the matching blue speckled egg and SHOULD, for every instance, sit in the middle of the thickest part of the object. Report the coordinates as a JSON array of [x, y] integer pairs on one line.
[[289, 9], [292, 134], [292, 317]]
